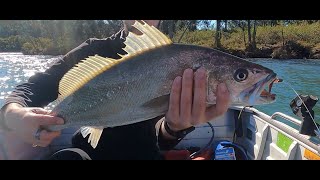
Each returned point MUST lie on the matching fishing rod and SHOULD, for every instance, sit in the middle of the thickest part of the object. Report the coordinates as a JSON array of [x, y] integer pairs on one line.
[[302, 103], [297, 109]]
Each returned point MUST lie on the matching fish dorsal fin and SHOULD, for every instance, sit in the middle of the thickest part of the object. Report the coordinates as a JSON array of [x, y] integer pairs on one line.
[[83, 72], [151, 38], [92, 66]]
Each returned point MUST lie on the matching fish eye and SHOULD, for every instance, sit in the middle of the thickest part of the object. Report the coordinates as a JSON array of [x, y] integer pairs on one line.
[[240, 75]]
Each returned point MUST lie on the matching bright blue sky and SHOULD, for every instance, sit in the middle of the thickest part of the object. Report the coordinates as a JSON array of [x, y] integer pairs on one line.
[[212, 24]]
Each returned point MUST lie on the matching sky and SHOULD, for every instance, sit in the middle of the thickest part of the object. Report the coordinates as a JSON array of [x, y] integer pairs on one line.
[[211, 25]]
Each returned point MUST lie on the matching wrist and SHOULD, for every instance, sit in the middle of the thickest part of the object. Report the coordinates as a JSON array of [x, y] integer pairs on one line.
[[164, 133], [175, 134]]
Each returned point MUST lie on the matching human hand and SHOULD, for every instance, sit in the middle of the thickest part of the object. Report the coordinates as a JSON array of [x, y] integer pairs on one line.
[[187, 105], [25, 122]]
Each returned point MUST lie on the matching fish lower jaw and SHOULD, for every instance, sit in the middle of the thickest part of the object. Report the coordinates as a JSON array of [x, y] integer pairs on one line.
[[264, 94], [267, 96], [258, 93], [262, 97]]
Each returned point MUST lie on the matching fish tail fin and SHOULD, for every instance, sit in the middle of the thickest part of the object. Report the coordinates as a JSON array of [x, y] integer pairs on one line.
[[95, 134]]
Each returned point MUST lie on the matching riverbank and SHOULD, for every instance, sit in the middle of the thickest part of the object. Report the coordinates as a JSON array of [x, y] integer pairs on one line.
[[293, 41], [286, 41], [290, 50]]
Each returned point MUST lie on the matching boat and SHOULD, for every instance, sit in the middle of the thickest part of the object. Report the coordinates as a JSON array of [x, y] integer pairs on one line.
[[262, 136]]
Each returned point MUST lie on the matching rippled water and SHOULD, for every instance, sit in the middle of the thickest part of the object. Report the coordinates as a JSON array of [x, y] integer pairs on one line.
[[304, 76], [16, 68]]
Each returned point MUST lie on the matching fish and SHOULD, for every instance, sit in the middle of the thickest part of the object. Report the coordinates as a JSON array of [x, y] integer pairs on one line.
[[102, 92]]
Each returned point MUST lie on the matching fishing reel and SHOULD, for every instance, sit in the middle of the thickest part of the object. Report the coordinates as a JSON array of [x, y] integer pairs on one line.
[[302, 107]]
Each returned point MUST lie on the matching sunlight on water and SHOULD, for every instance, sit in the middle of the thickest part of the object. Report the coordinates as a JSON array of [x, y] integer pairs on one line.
[[3, 79], [16, 68]]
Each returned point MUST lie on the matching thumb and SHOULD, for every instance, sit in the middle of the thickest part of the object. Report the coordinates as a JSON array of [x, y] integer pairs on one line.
[[43, 119]]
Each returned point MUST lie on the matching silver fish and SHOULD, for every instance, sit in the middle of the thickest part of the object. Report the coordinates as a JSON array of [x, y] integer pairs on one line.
[[104, 92]]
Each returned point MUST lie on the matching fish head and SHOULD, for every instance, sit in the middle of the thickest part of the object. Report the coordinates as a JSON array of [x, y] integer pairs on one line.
[[246, 82]]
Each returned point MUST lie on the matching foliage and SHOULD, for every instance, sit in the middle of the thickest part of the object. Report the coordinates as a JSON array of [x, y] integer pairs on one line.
[[52, 36], [57, 37]]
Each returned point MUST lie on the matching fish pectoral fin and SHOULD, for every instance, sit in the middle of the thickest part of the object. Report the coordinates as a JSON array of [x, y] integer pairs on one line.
[[94, 132], [157, 102]]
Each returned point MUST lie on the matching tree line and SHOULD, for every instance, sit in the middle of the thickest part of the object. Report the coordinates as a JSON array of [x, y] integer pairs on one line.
[[52, 36], [60, 36]]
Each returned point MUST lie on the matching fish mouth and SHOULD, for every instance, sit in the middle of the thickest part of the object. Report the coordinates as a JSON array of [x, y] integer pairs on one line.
[[260, 93]]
